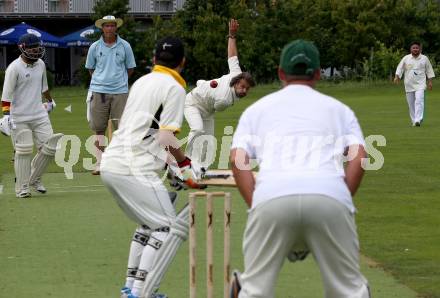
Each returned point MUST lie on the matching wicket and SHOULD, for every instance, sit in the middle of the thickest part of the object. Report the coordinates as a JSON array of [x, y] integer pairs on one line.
[[209, 242]]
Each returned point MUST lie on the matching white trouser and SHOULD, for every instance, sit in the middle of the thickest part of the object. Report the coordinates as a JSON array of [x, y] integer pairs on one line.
[[41, 131], [296, 223], [144, 199], [200, 123], [416, 105]]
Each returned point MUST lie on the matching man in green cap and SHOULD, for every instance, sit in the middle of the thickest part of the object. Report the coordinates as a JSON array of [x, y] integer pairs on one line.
[[309, 148]]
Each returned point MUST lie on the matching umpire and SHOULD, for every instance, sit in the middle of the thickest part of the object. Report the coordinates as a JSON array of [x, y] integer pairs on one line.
[[301, 200], [111, 62]]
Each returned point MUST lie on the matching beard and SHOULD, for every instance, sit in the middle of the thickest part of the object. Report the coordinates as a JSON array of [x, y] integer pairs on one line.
[[239, 94]]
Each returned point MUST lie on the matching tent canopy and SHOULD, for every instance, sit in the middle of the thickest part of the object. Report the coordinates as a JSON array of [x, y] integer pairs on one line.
[[11, 36], [80, 38]]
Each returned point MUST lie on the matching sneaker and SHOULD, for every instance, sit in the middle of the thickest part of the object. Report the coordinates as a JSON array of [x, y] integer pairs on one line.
[[417, 123], [132, 296], [96, 172], [38, 186], [125, 291], [24, 193]]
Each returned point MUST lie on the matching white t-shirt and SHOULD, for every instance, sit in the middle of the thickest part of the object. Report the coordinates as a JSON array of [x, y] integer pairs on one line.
[[415, 71], [24, 83], [155, 101], [297, 136], [215, 97]]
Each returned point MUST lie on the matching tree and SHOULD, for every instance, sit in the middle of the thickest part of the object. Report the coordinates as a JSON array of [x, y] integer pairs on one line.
[[345, 32]]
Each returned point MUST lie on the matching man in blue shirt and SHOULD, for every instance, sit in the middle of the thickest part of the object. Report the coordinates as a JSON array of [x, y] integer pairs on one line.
[[110, 61]]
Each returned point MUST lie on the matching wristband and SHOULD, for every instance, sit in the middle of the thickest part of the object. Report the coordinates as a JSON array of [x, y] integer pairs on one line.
[[184, 163], [6, 107]]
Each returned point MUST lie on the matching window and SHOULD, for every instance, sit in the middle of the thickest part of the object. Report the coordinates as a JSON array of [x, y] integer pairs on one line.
[[163, 5], [53, 5], [6, 6]]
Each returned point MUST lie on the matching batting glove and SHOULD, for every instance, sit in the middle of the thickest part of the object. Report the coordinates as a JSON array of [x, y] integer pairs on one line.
[[190, 174], [6, 124], [50, 105]]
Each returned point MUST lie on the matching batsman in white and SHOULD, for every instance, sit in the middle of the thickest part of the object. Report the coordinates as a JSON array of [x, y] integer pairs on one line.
[[417, 69], [25, 118], [142, 145], [214, 96], [301, 199]]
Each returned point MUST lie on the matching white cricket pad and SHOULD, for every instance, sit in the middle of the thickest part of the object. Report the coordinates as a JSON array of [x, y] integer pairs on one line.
[[44, 157], [178, 233], [138, 243], [22, 161]]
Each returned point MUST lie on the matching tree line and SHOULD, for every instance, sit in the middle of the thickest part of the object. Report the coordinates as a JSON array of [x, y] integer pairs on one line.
[[363, 39]]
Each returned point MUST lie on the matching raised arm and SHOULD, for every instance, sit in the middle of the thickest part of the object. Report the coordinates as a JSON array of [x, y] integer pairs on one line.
[[232, 44]]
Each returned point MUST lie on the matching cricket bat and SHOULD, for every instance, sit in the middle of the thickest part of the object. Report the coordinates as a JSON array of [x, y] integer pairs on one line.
[[218, 178]]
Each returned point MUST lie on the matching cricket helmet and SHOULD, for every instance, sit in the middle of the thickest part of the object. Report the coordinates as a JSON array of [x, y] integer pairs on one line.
[[31, 46]]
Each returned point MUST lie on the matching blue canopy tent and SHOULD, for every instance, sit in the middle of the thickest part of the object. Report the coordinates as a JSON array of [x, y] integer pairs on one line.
[[3, 59], [78, 43], [80, 38], [11, 36]]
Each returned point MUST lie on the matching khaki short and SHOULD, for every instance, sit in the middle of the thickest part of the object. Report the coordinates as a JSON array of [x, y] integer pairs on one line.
[[104, 107]]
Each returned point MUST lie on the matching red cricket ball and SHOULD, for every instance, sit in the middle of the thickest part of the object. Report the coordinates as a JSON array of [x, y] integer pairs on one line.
[[213, 84]]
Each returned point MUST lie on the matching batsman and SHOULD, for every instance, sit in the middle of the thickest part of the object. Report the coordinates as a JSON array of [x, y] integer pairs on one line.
[[130, 166], [25, 117]]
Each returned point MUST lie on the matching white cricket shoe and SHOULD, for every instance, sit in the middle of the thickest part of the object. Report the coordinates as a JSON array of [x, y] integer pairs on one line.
[[38, 186], [24, 192]]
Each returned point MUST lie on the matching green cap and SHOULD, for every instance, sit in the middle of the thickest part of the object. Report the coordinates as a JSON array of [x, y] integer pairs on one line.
[[300, 57]]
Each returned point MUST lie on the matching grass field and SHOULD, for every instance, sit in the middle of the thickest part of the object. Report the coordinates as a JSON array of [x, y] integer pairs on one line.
[[73, 242]]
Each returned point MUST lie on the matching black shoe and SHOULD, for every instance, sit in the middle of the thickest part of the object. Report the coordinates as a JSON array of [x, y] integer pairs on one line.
[[417, 123]]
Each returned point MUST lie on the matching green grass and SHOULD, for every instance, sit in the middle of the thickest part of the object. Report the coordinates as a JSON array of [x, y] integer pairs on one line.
[[74, 241]]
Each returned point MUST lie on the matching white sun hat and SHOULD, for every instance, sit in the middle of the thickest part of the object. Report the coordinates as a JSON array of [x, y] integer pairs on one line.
[[109, 19]]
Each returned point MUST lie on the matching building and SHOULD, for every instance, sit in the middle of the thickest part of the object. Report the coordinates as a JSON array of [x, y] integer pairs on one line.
[[75, 9], [70, 15]]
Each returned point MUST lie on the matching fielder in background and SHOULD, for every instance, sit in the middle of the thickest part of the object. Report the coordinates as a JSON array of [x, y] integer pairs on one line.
[[215, 96], [140, 148], [416, 68], [301, 200], [25, 118], [110, 61]]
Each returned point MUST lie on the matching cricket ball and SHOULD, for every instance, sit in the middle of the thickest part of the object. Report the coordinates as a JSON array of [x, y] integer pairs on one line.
[[213, 84]]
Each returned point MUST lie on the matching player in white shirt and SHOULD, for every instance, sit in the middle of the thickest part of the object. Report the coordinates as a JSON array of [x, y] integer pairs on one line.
[[301, 199], [130, 166], [214, 96], [416, 68], [26, 118]]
